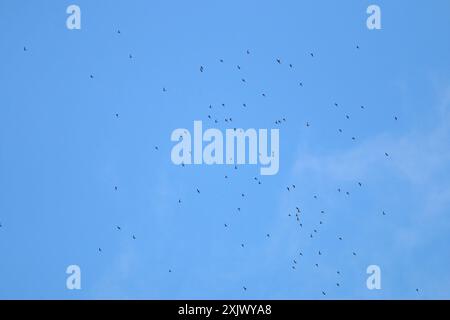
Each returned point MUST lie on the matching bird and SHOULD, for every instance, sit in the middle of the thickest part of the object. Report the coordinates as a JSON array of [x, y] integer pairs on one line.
[[279, 61], [198, 191], [99, 249], [25, 49], [91, 76], [118, 228], [201, 68], [134, 237], [115, 188], [245, 289]]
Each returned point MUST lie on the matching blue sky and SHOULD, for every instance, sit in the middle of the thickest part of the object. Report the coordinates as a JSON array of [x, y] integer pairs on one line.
[[63, 150]]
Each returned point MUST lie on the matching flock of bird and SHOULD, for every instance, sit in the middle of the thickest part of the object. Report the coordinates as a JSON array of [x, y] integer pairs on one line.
[[296, 212]]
